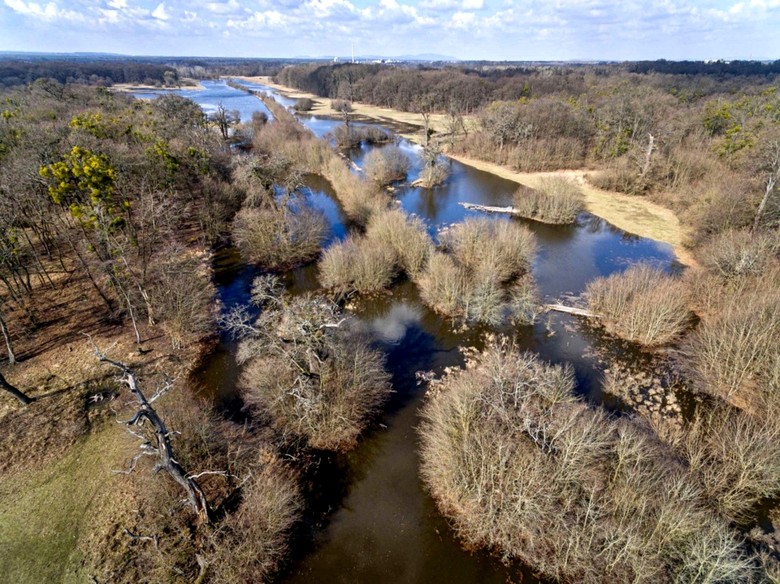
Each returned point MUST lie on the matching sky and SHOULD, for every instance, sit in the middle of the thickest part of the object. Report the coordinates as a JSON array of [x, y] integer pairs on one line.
[[465, 29]]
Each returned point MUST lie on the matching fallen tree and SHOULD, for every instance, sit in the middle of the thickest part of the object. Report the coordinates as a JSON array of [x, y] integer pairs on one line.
[[159, 444]]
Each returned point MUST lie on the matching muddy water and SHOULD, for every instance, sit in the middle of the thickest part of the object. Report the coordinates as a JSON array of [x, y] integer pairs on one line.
[[372, 520]]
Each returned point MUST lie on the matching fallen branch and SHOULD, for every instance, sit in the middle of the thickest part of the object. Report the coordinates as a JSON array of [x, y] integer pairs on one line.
[[571, 310], [488, 209]]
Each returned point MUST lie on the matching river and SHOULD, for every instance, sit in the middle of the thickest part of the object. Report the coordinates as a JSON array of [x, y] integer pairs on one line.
[[370, 518]]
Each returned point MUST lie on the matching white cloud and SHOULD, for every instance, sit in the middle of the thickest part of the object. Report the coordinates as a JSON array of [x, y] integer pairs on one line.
[[472, 4], [439, 4], [462, 20], [160, 12], [49, 12], [230, 7], [330, 8]]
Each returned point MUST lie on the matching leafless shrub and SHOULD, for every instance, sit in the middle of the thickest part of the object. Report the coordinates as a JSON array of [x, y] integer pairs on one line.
[[733, 352], [278, 239], [311, 375], [484, 276], [520, 465], [557, 200], [736, 456], [736, 253], [434, 174], [407, 236], [182, 297], [642, 304], [304, 104], [357, 265], [374, 135], [386, 165], [347, 137], [491, 248], [358, 197], [717, 206], [249, 545]]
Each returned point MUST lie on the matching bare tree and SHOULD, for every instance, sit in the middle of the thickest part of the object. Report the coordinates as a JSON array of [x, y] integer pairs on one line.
[[772, 169], [224, 119], [7, 339]]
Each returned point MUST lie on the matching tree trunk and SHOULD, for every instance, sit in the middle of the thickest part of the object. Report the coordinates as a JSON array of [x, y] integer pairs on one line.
[[770, 186], [13, 391], [7, 339]]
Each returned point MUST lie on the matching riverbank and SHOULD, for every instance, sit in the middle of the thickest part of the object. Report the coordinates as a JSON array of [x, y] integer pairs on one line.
[[192, 84], [631, 214]]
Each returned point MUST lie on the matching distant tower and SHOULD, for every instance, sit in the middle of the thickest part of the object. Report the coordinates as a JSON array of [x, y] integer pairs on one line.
[[353, 51]]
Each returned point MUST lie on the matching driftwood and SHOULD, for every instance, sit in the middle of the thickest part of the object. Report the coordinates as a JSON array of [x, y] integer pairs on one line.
[[571, 310], [163, 449], [488, 209]]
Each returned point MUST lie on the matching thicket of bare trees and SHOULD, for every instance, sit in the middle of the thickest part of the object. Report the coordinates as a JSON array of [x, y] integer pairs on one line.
[[522, 466], [482, 273], [318, 380], [556, 200], [642, 304]]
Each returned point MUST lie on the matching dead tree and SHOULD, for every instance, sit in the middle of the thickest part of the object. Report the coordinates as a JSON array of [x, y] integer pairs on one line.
[[14, 392], [772, 166], [160, 446]]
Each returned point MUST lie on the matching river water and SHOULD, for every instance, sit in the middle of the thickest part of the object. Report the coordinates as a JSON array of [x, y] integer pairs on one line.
[[371, 519]]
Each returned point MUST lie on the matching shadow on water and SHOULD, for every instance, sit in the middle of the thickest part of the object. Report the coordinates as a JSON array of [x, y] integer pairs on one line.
[[370, 518]]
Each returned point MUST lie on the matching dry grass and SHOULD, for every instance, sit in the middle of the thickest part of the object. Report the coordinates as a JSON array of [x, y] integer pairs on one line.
[[386, 165], [643, 305], [521, 466], [405, 235], [557, 200], [357, 265], [278, 239]]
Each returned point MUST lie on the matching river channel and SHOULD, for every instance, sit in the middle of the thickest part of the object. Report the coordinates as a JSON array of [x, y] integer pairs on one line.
[[371, 519]]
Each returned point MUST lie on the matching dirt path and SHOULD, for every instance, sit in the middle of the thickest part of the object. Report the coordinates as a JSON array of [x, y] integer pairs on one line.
[[632, 214]]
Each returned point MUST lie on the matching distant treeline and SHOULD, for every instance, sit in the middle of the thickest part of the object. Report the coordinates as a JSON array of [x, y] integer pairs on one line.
[[92, 73], [21, 69], [466, 89], [718, 68]]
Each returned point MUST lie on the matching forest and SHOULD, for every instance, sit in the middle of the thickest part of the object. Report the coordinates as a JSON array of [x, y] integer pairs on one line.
[[118, 214]]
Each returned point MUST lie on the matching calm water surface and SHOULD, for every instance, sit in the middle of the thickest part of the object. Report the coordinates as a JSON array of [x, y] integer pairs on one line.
[[372, 520]]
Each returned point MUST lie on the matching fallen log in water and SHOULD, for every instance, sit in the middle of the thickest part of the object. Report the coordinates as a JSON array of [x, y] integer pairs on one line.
[[488, 209], [571, 310]]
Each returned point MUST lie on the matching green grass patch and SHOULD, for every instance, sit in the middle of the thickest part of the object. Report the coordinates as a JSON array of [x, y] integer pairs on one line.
[[44, 513]]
